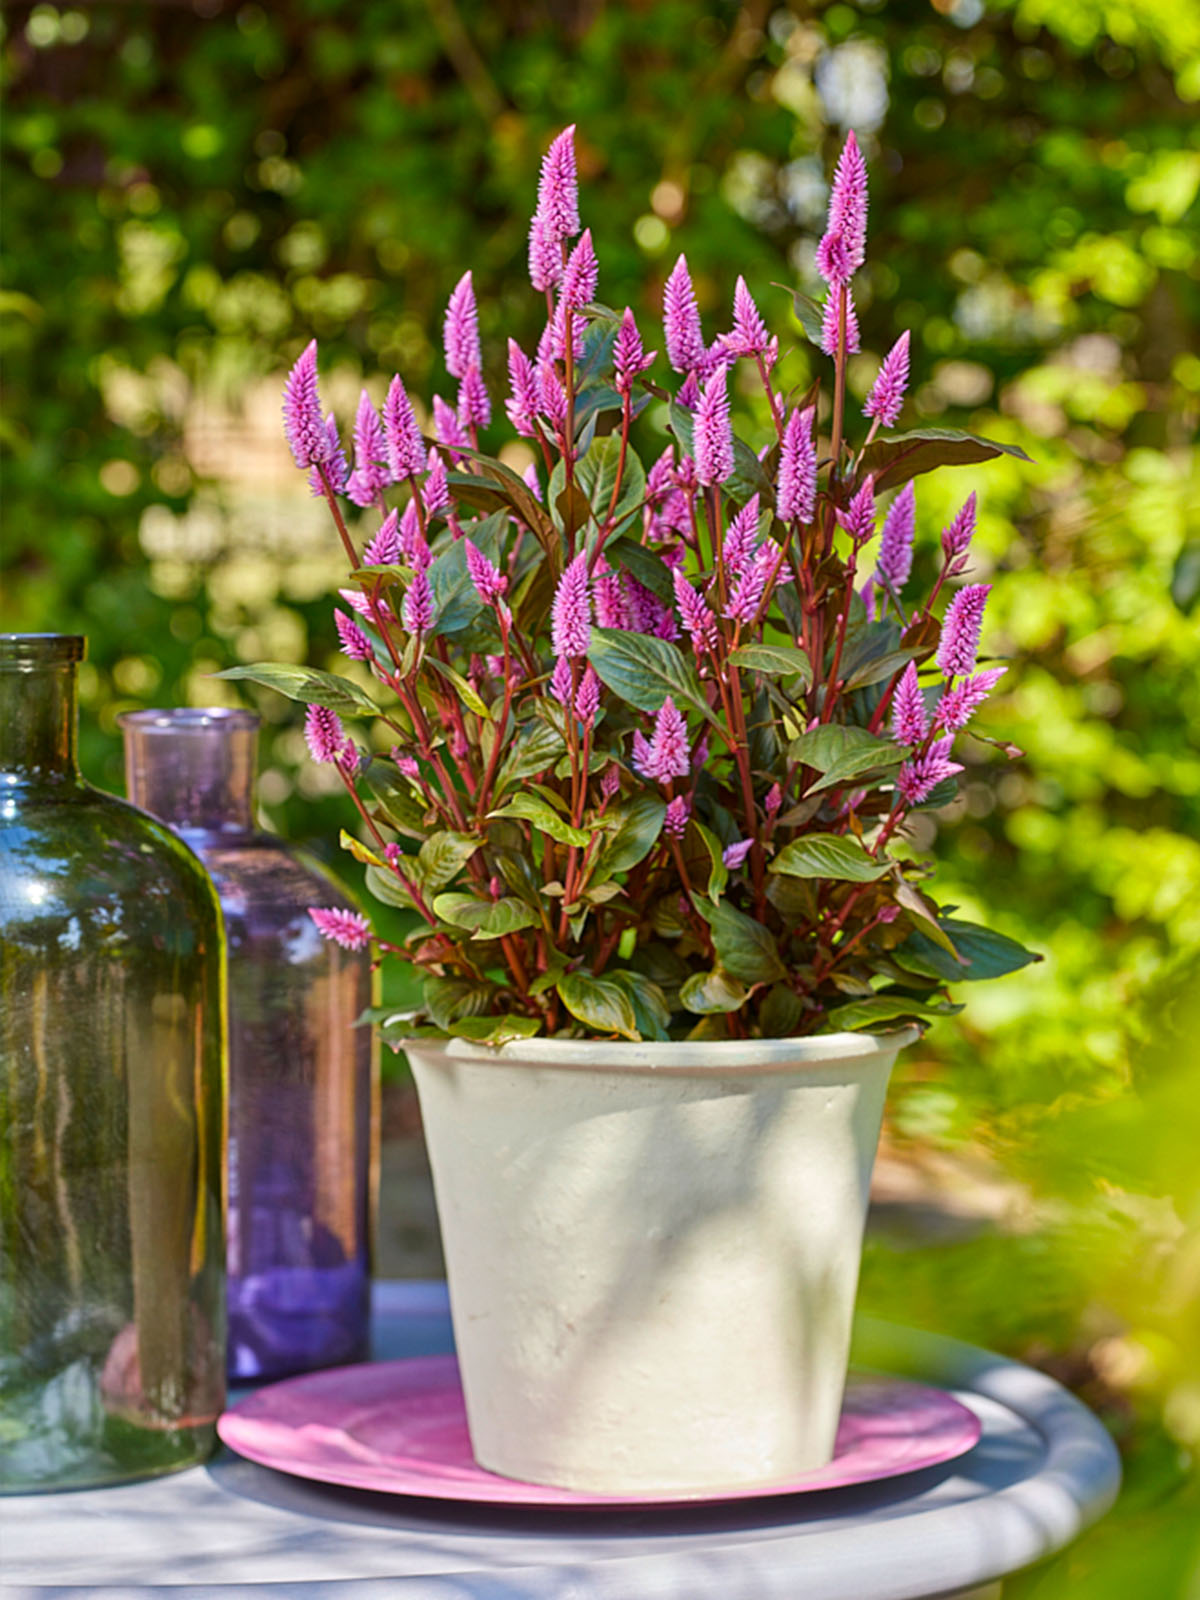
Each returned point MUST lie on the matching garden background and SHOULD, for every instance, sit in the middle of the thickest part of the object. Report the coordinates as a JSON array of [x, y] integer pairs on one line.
[[192, 190]]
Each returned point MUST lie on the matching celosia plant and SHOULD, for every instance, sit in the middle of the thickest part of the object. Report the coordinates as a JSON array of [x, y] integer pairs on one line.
[[651, 738]]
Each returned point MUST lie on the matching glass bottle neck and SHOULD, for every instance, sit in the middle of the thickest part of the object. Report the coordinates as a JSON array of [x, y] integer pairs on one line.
[[193, 769], [38, 714]]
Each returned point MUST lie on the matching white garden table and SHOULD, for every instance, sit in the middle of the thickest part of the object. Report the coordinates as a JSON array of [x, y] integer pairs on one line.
[[1043, 1469]]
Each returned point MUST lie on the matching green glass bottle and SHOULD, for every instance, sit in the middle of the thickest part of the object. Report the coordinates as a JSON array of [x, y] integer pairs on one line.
[[111, 1112]]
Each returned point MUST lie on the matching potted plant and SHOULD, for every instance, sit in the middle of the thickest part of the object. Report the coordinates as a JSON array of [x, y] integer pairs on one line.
[[644, 741]]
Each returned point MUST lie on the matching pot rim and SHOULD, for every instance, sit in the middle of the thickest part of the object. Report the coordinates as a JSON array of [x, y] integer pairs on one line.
[[721, 1057]]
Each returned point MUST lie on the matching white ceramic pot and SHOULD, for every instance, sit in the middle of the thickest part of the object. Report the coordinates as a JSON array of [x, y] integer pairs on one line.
[[653, 1250]]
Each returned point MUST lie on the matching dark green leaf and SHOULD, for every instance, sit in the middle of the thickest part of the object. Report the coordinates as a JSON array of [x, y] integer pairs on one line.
[[486, 919], [718, 876], [989, 954], [442, 857], [884, 1008], [599, 1003], [641, 824], [781, 1012], [531, 808], [306, 685], [708, 992], [780, 660], [828, 855], [448, 1000], [745, 949], [651, 1012], [643, 671], [894, 458], [536, 747], [404, 811]]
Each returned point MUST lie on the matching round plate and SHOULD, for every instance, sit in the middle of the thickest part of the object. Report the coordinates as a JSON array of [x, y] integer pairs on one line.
[[400, 1427]]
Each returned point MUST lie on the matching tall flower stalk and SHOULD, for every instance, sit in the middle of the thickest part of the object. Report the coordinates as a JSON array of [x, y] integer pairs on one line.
[[643, 748]]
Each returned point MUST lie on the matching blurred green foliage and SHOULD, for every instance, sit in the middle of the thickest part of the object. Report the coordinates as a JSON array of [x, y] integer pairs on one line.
[[191, 192]]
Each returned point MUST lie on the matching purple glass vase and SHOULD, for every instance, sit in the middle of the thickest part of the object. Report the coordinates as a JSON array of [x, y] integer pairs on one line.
[[303, 1123]]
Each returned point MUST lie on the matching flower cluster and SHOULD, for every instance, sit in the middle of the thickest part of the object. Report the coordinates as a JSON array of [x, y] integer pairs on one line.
[[649, 739]]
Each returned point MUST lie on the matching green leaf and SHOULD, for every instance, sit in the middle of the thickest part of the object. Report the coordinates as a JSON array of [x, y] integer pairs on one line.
[[643, 671], [718, 877], [779, 660], [651, 1012], [495, 1030], [385, 886], [708, 992], [681, 424], [596, 475], [442, 857], [448, 1000], [828, 855], [647, 566], [456, 601], [486, 919], [862, 675], [306, 685], [495, 486], [598, 1003], [537, 746], [894, 458], [989, 954], [910, 899], [859, 758], [781, 1012], [531, 808], [641, 824], [811, 317], [747, 477], [745, 949], [358, 850], [402, 808], [883, 1008], [821, 748], [463, 689]]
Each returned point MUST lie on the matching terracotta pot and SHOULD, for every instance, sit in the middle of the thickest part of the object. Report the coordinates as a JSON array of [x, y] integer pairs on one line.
[[653, 1250]]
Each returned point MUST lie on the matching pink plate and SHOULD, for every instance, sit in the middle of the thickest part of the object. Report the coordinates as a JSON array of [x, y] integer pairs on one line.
[[400, 1427]]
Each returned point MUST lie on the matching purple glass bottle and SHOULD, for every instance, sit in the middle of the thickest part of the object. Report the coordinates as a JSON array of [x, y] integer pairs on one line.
[[303, 1124]]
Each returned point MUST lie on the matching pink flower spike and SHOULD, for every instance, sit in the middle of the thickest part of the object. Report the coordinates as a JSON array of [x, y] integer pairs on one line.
[[474, 402], [958, 705], [858, 518], [558, 188], [667, 754], [796, 492], [957, 537], [370, 476], [612, 610], [358, 601], [587, 700], [629, 359], [407, 766], [917, 779], [545, 256], [355, 644], [435, 491], [774, 800], [348, 928], [405, 446], [579, 276], [490, 583], [960, 631], [611, 781], [742, 605], [887, 392], [737, 547], [448, 429], [461, 330], [349, 758], [749, 336], [844, 246], [677, 816], [571, 613], [689, 392], [681, 320], [531, 481], [560, 682], [909, 721], [895, 548], [302, 420], [829, 325], [334, 466], [734, 854], [713, 438], [323, 733], [417, 611], [525, 401], [698, 620], [553, 397]]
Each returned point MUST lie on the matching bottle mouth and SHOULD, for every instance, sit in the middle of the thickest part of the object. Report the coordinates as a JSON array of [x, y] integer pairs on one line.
[[25, 650], [188, 719]]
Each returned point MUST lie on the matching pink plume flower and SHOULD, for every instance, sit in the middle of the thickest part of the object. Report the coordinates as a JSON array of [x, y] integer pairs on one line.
[[461, 330], [796, 491], [334, 466], [917, 779], [829, 325], [681, 320], [677, 816], [348, 928], [844, 246], [713, 440], [774, 800], [435, 491], [698, 621], [349, 758], [571, 613], [560, 682], [887, 392], [700, 754], [896, 546], [355, 644], [959, 704], [909, 722], [552, 396], [448, 430], [685, 475], [610, 782], [858, 518], [532, 482], [956, 539], [737, 547], [629, 359], [406, 765], [960, 631], [525, 400], [417, 611], [688, 395], [324, 733], [405, 446], [580, 275], [660, 480], [370, 476], [358, 601], [474, 402], [666, 755], [587, 700], [545, 255], [744, 602], [558, 188], [749, 336], [302, 419], [490, 583], [611, 608], [734, 854]]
